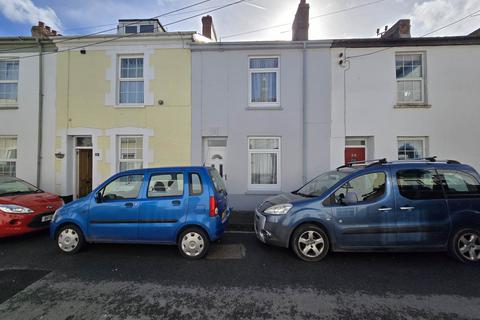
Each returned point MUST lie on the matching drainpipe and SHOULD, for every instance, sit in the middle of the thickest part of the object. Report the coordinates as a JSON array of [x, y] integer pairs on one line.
[[304, 110], [40, 111]]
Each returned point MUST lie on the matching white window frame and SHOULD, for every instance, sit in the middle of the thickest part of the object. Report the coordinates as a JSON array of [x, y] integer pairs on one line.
[[278, 152], [2, 104], [16, 155], [251, 71], [120, 79], [119, 151], [421, 79], [414, 138]]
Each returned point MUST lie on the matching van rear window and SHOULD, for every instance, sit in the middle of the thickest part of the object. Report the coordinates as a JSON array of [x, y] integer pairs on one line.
[[217, 180]]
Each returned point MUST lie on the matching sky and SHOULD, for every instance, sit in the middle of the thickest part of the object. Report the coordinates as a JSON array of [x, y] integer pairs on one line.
[[337, 18]]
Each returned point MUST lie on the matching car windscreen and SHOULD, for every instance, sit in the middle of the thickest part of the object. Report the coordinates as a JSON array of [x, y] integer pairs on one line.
[[217, 180], [11, 186], [321, 184]]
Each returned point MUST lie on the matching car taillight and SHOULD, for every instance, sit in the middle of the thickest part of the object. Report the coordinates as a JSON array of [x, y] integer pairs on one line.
[[213, 207]]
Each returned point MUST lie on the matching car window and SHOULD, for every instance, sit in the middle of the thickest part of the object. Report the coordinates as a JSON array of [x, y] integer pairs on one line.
[[124, 187], [365, 188], [12, 186], [196, 187], [322, 183], [420, 184], [459, 183], [217, 180], [165, 185]]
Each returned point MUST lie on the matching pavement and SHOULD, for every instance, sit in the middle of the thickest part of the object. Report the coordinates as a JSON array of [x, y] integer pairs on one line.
[[241, 278]]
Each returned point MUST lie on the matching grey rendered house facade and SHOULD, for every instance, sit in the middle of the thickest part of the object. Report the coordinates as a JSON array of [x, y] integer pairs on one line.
[[261, 115]]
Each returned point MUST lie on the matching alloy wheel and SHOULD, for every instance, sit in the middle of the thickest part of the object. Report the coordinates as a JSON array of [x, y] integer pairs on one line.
[[311, 244], [469, 246]]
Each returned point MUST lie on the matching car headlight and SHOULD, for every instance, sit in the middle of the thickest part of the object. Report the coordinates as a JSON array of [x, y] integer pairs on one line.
[[11, 208], [279, 209]]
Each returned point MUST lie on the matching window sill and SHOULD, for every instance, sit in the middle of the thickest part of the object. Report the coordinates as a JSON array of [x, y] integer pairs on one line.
[[412, 106], [263, 192], [9, 107], [127, 106], [264, 108]]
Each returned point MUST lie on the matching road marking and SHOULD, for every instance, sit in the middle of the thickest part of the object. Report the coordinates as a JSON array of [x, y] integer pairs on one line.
[[227, 252]]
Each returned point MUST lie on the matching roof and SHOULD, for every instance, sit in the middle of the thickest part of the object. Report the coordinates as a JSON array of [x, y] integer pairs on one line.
[[406, 42]]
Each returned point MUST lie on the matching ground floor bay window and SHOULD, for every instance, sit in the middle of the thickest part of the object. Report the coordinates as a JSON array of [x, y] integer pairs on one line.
[[8, 155], [264, 163], [130, 153]]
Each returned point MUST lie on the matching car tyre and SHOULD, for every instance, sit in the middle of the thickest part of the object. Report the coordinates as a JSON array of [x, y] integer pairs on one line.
[[465, 245], [70, 239], [310, 243], [193, 243]]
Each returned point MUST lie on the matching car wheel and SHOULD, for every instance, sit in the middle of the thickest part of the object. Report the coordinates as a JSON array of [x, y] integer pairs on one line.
[[465, 246], [70, 239], [193, 243], [310, 243]]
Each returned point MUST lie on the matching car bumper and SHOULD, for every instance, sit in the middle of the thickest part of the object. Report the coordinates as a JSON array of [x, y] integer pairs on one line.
[[220, 224], [17, 224], [270, 230]]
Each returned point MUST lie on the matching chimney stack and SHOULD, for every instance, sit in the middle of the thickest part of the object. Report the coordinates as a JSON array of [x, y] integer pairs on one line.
[[399, 30], [41, 31], [208, 30], [300, 24]]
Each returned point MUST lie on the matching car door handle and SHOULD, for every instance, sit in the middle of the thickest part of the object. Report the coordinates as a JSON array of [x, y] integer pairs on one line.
[[176, 202], [407, 208], [384, 209], [129, 204]]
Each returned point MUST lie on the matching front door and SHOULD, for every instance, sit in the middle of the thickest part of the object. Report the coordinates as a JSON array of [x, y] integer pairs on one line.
[[364, 211], [215, 158], [422, 212], [354, 154], [84, 163], [115, 215], [164, 208]]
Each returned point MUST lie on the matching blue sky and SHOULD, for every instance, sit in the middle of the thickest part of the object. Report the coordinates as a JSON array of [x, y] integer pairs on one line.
[[85, 16]]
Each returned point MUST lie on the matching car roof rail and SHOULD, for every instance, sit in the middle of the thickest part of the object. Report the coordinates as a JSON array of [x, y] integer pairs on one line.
[[365, 162]]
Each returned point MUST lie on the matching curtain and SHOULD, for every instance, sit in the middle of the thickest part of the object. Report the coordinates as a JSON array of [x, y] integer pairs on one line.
[[264, 87], [263, 168]]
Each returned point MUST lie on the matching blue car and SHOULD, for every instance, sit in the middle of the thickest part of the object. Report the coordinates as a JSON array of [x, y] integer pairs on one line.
[[424, 205], [184, 206]]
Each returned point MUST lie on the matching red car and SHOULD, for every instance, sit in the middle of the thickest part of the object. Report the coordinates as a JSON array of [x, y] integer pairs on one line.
[[24, 208]]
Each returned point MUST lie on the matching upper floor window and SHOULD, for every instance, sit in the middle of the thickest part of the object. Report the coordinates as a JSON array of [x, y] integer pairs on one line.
[[9, 82], [131, 82], [131, 153], [8, 156], [264, 163], [410, 72], [411, 148], [143, 28], [264, 81]]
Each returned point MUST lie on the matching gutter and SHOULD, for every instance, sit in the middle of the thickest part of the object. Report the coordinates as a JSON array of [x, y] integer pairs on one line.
[[40, 111]]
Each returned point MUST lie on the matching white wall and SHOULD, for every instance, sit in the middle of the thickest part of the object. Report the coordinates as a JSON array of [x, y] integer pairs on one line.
[[450, 122]]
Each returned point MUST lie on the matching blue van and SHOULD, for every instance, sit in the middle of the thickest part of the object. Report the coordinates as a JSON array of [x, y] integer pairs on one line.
[[425, 205], [186, 206]]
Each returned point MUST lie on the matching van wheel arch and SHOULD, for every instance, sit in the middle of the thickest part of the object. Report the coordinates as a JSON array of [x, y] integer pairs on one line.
[[316, 223]]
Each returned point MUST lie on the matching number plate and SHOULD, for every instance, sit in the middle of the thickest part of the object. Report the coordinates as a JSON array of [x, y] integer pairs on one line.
[[47, 218]]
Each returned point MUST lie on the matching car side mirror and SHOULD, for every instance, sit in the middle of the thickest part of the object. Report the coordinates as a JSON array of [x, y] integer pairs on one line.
[[98, 197], [351, 198]]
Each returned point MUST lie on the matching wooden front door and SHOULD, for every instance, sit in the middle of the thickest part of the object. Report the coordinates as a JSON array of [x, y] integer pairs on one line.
[[84, 157], [354, 154]]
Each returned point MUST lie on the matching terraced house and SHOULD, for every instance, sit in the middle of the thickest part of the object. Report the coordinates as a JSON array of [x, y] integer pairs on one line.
[[123, 101]]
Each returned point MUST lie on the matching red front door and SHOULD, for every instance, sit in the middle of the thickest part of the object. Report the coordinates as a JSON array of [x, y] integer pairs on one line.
[[354, 154]]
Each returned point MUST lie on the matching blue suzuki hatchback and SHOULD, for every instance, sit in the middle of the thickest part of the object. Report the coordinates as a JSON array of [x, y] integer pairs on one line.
[[423, 205], [186, 206]]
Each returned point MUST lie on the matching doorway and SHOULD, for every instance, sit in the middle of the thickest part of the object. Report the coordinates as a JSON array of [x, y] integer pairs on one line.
[[84, 166], [215, 155], [355, 149]]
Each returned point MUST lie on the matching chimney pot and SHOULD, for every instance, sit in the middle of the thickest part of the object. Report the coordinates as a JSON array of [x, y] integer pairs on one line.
[[399, 30], [41, 24], [300, 23], [208, 30], [47, 28]]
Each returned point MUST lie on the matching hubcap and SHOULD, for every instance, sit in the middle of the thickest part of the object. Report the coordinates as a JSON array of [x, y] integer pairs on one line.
[[68, 240], [311, 244], [469, 246], [192, 244]]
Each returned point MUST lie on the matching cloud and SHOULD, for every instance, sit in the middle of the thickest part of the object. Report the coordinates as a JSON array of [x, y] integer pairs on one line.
[[433, 14], [25, 11]]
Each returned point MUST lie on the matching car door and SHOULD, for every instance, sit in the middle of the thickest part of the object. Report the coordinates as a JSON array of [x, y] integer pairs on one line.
[[363, 211], [164, 208], [113, 214], [421, 208]]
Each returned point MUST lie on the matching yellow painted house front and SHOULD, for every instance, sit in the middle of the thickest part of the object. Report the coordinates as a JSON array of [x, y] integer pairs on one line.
[[121, 103]]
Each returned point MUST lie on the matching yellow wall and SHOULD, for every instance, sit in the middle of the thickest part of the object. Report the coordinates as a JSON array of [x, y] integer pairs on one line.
[[82, 88]]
